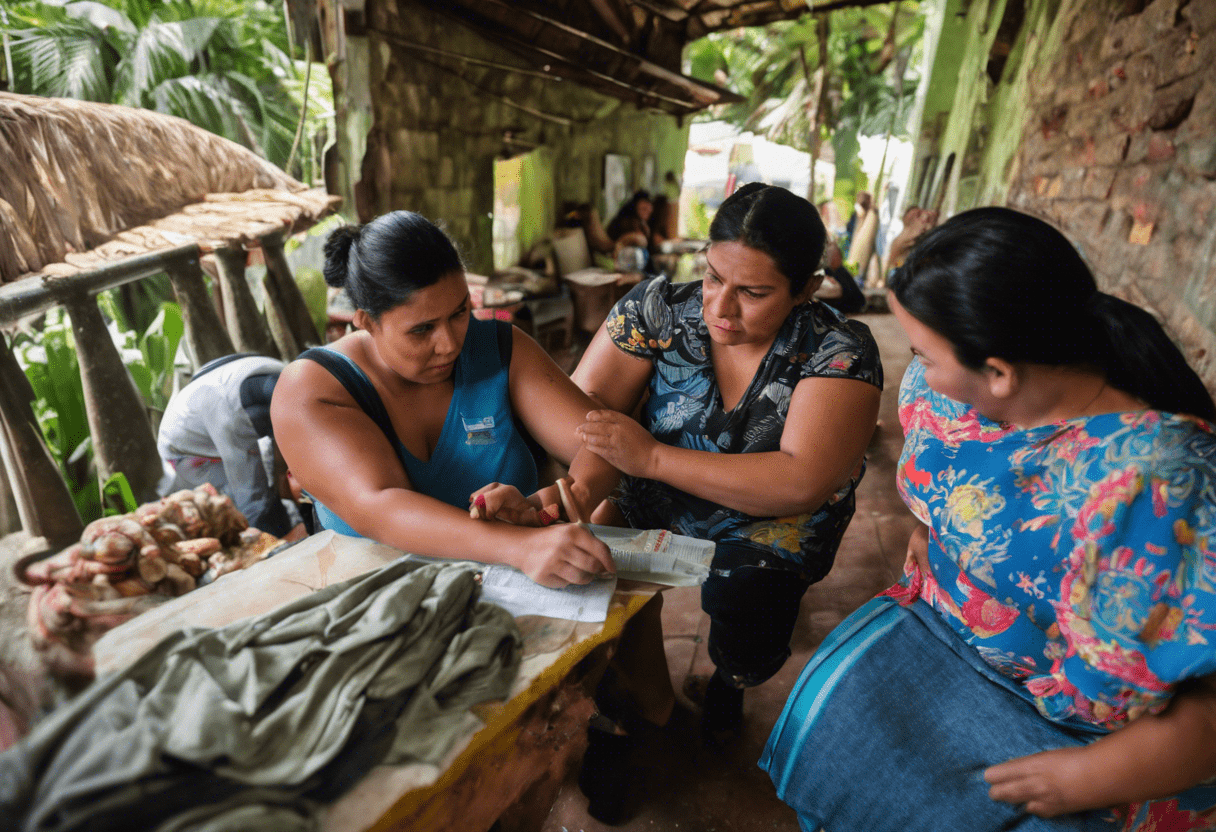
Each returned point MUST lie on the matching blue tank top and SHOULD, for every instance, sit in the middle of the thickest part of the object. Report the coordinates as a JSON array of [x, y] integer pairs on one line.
[[478, 444]]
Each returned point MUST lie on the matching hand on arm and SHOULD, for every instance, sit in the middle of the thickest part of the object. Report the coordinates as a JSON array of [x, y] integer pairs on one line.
[[1152, 757], [551, 406], [827, 428]]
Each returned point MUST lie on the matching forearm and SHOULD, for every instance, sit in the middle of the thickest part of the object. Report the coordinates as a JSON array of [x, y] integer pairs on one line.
[[591, 481], [1154, 756], [1151, 758], [767, 484], [422, 525]]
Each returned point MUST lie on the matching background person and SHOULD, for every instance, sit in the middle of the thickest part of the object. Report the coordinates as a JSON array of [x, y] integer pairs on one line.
[[839, 289], [215, 430], [1048, 652], [760, 405]]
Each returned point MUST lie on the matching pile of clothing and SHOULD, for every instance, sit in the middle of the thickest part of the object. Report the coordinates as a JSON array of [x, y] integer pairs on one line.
[[127, 563], [255, 726]]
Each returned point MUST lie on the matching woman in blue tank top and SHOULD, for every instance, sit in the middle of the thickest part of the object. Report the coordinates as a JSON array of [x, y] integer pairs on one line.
[[397, 429]]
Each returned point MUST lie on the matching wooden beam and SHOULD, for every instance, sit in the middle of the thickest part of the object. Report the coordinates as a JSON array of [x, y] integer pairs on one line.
[[287, 294], [38, 293]]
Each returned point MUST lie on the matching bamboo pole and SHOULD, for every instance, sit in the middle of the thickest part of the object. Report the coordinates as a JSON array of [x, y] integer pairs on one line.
[[245, 324]]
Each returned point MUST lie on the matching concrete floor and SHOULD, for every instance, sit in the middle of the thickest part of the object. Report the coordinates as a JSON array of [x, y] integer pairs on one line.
[[683, 785]]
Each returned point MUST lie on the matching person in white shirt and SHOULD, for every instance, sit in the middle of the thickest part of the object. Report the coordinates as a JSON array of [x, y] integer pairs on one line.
[[217, 428]]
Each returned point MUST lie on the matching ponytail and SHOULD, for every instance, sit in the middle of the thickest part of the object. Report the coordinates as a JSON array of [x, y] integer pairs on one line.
[[997, 283], [1139, 358], [382, 263]]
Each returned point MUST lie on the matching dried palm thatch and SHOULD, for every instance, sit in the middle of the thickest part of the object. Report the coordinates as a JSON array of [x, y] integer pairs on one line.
[[82, 184]]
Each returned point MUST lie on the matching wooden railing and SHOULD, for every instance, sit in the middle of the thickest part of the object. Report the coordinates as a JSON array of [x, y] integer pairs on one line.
[[119, 426]]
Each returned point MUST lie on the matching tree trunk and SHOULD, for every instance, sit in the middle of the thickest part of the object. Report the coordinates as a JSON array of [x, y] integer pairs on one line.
[[822, 102]]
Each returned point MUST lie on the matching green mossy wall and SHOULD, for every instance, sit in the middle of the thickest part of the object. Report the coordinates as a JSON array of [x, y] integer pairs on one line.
[[438, 124]]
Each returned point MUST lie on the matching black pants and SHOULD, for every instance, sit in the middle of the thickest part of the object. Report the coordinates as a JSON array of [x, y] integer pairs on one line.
[[753, 607]]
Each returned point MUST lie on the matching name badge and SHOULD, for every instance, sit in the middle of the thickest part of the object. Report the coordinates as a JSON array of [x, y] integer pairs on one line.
[[479, 431]]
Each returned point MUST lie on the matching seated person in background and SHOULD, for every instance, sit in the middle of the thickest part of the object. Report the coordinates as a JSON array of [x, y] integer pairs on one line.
[[407, 429], [586, 217], [212, 431], [839, 290], [1048, 653], [916, 222], [631, 225], [760, 405]]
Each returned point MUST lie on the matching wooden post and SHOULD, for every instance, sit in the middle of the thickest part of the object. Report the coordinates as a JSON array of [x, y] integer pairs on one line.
[[293, 304], [10, 514], [245, 324], [204, 331], [277, 320], [118, 419], [43, 499]]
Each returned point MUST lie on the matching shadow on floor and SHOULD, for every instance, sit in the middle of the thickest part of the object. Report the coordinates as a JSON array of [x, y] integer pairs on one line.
[[684, 785]]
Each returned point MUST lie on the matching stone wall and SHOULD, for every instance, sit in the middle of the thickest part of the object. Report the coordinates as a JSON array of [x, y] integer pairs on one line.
[[1119, 150], [439, 123]]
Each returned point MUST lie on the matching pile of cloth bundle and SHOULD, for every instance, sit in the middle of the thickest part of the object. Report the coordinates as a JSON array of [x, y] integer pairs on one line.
[[127, 563]]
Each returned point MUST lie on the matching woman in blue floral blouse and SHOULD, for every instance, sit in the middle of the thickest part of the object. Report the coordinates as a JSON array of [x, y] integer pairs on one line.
[[1047, 661], [759, 404]]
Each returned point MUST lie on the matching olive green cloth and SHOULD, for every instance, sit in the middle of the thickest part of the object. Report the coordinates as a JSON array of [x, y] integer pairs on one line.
[[269, 715]]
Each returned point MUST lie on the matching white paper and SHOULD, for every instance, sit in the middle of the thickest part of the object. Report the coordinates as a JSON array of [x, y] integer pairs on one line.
[[520, 595], [657, 556]]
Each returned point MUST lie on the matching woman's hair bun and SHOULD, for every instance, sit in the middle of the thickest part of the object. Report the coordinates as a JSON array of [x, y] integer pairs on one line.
[[337, 253]]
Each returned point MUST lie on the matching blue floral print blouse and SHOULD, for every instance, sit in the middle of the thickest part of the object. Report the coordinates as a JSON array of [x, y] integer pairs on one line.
[[662, 321], [1078, 558]]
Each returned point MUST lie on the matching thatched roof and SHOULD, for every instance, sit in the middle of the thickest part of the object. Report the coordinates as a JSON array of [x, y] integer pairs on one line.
[[87, 183]]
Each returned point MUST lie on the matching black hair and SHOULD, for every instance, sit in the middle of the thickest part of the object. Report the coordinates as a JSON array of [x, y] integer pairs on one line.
[[782, 224], [997, 283], [621, 222], [382, 263]]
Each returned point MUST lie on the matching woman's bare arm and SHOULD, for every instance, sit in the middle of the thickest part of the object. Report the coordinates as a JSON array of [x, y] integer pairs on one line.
[[1152, 757], [552, 407], [829, 424], [340, 456]]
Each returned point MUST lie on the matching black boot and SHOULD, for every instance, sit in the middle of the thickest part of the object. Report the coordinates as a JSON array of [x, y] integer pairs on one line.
[[605, 776]]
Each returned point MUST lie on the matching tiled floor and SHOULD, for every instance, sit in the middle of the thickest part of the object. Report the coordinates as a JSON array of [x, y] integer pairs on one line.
[[683, 785]]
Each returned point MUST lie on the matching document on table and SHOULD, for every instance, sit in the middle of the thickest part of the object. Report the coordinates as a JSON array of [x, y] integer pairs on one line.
[[657, 555], [520, 595]]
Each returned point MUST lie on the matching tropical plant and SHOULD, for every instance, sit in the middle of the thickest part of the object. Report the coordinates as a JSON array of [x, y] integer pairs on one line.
[[48, 356], [223, 65], [829, 75]]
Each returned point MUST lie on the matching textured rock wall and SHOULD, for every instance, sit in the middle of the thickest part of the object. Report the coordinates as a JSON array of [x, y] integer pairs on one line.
[[1119, 150]]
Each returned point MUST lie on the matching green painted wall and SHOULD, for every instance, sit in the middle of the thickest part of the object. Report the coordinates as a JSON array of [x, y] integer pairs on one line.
[[966, 114]]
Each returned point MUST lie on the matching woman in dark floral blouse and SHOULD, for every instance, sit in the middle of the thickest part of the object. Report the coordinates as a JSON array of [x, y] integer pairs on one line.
[[761, 403]]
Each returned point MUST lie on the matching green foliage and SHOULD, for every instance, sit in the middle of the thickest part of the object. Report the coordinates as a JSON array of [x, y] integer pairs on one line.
[[316, 297], [223, 65], [48, 356], [698, 221], [117, 496], [871, 82]]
